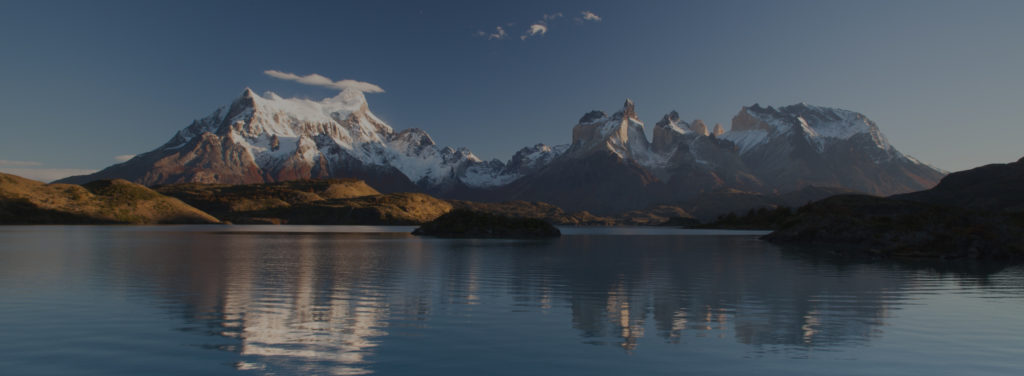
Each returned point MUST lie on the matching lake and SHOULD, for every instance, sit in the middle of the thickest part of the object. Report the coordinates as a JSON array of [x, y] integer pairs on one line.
[[347, 300]]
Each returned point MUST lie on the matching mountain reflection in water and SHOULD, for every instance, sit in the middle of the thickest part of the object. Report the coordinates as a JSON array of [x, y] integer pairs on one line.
[[359, 303]]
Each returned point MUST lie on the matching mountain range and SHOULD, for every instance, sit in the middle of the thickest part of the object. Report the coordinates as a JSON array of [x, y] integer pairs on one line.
[[609, 166]]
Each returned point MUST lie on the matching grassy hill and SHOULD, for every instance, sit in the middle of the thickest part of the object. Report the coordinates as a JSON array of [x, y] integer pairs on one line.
[[24, 201], [350, 201], [328, 201]]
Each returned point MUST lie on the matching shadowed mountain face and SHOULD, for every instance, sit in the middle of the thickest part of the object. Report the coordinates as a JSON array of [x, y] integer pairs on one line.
[[995, 187], [610, 166], [978, 214]]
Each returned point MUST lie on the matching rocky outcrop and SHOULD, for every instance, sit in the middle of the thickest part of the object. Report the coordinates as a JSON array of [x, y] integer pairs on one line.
[[718, 130], [698, 127], [668, 132], [621, 133]]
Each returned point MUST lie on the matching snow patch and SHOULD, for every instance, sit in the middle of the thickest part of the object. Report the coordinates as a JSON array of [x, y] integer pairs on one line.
[[746, 140]]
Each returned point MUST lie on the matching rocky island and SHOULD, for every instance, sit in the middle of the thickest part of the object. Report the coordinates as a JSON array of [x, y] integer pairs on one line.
[[461, 223]]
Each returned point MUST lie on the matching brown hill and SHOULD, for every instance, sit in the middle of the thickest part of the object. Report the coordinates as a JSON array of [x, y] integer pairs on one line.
[[388, 209], [327, 201], [351, 201], [236, 202], [24, 201]]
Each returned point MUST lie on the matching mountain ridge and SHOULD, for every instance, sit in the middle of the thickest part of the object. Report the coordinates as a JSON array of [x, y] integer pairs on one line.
[[259, 139]]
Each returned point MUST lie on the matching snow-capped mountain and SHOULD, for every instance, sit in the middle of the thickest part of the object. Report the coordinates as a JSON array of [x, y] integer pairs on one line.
[[800, 145], [268, 138], [609, 166]]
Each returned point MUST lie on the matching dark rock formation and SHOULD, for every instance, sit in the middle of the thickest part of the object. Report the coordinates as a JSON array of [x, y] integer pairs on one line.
[[994, 187], [888, 228], [472, 224]]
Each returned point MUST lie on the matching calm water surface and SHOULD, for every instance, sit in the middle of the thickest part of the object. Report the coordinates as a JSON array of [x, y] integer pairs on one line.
[[307, 300]]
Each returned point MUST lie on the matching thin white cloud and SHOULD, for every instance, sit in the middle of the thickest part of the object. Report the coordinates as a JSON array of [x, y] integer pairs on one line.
[[499, 33], [535, 30], [552, 16], [4, 162], [590, 16], [538, 28], [46, 174], [124, 158], [318, 80]]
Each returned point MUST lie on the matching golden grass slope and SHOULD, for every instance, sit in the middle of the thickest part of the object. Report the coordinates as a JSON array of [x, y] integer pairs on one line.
[[24, 201]]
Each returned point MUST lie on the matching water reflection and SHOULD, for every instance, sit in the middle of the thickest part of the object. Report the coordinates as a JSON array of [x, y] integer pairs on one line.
[[344, 303]]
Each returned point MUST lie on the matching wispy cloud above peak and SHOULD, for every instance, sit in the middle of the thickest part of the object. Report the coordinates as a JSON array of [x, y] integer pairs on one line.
[[535, 30], [499, 33], [590, 16], [552, 16], [319, 80], [538, 28]]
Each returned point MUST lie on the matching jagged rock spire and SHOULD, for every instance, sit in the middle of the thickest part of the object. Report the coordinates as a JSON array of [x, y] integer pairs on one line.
[[718, 130], [699, 127], [629, 109]]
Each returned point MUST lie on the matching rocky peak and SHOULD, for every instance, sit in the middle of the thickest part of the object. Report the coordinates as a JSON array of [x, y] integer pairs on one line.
[[592, 116], [670, 118], [616, 133], [718, 130], [746, 120], [534, 156], [699, 127], [414, 137], [667, 131], [351, 99], [629, 110]]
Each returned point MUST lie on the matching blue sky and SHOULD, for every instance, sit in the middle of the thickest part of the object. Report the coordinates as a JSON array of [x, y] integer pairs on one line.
[[84, 82]]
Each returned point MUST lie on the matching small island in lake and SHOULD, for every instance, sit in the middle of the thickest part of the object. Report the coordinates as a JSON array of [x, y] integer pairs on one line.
[[461, 223]]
